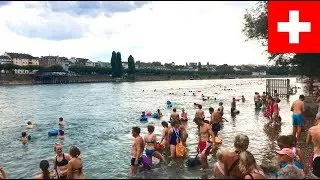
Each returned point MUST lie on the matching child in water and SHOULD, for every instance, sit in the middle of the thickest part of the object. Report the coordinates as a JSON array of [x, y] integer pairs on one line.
[[29, 125], [60, 134], [24, 138], [61, 122]]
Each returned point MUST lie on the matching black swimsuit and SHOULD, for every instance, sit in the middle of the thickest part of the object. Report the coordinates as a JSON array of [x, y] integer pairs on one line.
[[62, 163]]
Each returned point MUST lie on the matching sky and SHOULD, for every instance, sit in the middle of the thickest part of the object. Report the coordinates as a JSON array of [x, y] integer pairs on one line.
[[166, 32]]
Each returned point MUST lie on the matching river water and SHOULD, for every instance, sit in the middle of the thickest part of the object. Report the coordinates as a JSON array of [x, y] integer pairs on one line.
[[99, 118]]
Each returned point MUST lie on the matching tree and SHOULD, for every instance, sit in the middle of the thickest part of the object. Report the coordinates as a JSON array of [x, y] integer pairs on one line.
[[199, 66], [207, 63], [256, 28], [186, 64], [131, 65], [118, 65], [113, 61]]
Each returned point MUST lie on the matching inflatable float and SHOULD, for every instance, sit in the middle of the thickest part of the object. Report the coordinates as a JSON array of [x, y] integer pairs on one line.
[[143, 118], [146, 162], [148, 114], [154, 115], [53, 132], [217, 140]]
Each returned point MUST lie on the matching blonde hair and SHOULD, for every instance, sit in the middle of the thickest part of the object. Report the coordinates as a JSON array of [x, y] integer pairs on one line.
[[56, 145], [241, 142], [247, 163], [219, 154]]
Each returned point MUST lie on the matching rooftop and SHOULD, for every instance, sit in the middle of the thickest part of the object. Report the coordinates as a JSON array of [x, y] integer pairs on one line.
[[19, 55], [4, 57]]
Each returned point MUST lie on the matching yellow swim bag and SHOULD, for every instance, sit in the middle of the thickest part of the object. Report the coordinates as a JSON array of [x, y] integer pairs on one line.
[[180, 150]]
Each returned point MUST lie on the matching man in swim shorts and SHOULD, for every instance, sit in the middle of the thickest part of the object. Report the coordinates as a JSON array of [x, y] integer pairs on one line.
[[233, 105], [215, 121], [174, 115], [205, 144], [221, 108], [264, 98], [136, 151], [297, 118], [199, 113], [314, 137]]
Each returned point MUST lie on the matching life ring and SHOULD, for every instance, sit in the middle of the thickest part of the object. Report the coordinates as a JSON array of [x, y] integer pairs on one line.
[[53, 132], [29, 137]]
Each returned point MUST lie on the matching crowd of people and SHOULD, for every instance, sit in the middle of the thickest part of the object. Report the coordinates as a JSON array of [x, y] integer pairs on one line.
[[240, 163]]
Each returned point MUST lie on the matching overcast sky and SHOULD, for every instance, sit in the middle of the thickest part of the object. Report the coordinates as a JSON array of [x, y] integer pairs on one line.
[[177, 32]]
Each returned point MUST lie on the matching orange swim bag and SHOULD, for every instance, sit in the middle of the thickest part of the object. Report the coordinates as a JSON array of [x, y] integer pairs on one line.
[[180, 150], [159, 147]]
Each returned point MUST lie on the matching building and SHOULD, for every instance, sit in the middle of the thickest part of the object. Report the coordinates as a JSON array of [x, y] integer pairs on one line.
[[48, 61], [91, 64], [125, 65], [22, 60], [5, 60], [262, 73], [64, 62]]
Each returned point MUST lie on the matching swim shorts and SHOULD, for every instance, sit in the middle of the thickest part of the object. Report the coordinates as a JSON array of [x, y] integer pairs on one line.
[[297, 120], [204, 146], [216, 127], [139, 161]]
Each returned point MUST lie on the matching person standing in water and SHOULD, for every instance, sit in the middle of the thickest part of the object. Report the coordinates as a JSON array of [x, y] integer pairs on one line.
[[221, 108], [205, 145], [3, 173], [60, 162], [243, 99], [150, 141], [46, 174], [275, 111], [174, 115], [175, 135], [184, 115], [297, 118], [233, 105], [199, 113], [264, 99], [165, 135], [159, 113], [215, 121], [256, 99], [75, 167], [136, 151]]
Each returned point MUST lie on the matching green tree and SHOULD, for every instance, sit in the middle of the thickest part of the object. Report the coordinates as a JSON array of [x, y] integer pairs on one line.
[[118, 65], [113, 63], [186, 64], [131, 65], [199, 66], [256, 28]]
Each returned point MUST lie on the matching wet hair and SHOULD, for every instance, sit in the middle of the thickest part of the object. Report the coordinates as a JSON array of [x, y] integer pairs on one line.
[[23, 134], [241, 142], [292, 140], [56, 146], [220, 103], [233, 98], [283, 141], [263, 92], [150, 128], [60, 119], [44, 166], [272, 100], [247, 163], [61, 132], [301, 97], [200, 106], [290, 172], [29, 123], [136, 130], [74, 151], [143, 112], [275, 91], [165, 124], [211, 109], [174, 109], [158, 110]]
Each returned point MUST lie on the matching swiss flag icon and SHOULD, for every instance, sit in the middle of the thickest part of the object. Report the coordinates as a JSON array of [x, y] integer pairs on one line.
[[294, 26]]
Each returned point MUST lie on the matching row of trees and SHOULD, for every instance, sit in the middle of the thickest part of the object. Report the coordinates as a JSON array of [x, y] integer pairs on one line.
[[256, 28], [117, 69], [9, 68]]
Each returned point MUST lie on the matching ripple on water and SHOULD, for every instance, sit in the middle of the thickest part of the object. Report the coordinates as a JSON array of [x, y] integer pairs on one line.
[[99, 118]]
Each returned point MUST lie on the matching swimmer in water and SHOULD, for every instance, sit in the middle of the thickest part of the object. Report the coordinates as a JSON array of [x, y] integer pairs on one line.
[[243, 99], [60, 134], [174, 115], [29, 125], [61, 122], [60, 162], [24, 138], [199, 113], [233, 105], [46, 174], [193, 94], [221, 108], [159, 113], [3, 173]]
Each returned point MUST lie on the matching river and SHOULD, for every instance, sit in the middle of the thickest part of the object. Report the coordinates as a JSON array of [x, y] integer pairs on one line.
[[99, 118]]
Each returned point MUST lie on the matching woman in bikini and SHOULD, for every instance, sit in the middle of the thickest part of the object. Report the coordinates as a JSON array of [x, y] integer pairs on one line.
[[150, 141], [218, 167], [60, 162], [249, 167], [46, 174], [75, 164]]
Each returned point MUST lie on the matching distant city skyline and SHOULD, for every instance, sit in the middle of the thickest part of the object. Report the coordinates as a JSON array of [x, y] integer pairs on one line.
[[167, 32]]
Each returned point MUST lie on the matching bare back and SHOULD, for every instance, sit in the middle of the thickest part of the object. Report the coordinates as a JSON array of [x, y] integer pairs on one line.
[[297, 107], [138, 142], [175, 116]]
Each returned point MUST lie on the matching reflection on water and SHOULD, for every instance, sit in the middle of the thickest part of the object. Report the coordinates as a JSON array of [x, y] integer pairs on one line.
[[99, 118]]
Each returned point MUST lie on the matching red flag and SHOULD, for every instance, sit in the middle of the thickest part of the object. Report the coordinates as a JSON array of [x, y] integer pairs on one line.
[[294, 26]]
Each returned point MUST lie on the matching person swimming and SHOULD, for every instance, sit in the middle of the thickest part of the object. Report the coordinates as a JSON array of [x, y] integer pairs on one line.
[[46, 174], [24, 137], [159, 113], [60, 134], [29, 125], [61, 122]]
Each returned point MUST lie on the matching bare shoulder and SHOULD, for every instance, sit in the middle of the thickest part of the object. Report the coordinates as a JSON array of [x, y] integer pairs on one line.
[[38, 176], [67, 156]]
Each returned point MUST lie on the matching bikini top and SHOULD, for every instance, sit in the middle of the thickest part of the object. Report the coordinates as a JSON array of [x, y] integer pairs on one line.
[[63, 162]]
